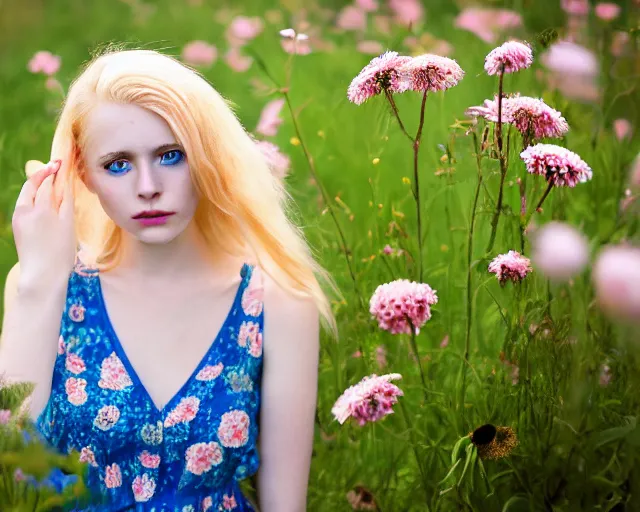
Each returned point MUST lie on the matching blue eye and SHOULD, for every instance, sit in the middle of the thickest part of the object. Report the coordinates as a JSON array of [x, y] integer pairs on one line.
[[173, 157], [118, 167]]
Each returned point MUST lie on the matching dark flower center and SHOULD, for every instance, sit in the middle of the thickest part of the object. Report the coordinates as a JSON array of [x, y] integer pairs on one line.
[[483, 435]]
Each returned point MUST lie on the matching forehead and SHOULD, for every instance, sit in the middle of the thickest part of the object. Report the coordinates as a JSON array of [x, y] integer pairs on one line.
[[115, 126]]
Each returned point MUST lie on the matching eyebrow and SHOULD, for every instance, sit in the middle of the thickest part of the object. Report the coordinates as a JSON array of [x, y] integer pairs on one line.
[[128, 155]]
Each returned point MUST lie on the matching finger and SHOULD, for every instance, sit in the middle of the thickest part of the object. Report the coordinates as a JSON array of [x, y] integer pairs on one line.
[[67, 203], [33, 166], [30, 188], [44, 195]]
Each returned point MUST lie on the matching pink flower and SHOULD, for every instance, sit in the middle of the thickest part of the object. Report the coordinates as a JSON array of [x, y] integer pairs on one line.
[[607, 11], [206, 504], [236, 61], [565, 57], [112, 476], [44, 62], [88, 456], [351, 17], [559, 251], [622, 129], [201, 457], [430, 72], [367, 5], [382, 73], [76, 312], [5, 416], [557, 164], [242, 29], [143, 487], [487, 23], [149, 460], [510, 266], [253, 295], [295, 43], [270, 118], [512, 56], [184, 412], [210, 372], [107, 417], [445, 341], [407, 12], [575, 7], [369, 400], [634, 173], [255, 348], [229, 502], [278, 162], [370, 47], [61, 345], [75, 364], [113, 374], [199, 53], [400, 305], [247, 333], [605, 376], [616, 279], [75, 389], [233, 431]]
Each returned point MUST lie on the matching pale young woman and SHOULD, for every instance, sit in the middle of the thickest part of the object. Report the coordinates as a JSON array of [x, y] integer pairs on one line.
[[177, 351]]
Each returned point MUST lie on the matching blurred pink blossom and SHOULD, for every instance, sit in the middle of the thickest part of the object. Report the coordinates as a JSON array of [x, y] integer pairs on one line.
[[575, 7], [367, 5], [407, 12], [618, 42], [270, 118], [242, 29], [5, 416], [199, 53], [237, 61], [53, 84], [570, 58], [622, 128], [294, 42], [616, 279], [634, 173], [607, 11], [371, 399], [401, 304], [278, 162], [44, 62], [510, 266], [357, 354], [559, 251], [556, 164], [487, 23], [445, 341], [381, 357], [352, 17], [370, 47], [509, 57]]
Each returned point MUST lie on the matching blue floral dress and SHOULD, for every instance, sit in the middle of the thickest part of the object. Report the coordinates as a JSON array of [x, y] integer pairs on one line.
[[187, 457]]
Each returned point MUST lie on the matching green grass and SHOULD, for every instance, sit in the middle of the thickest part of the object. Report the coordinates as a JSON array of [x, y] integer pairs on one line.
[[579, 444]]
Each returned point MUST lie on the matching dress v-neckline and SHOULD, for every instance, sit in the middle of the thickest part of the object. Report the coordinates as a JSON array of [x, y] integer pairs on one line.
[[122, 354]]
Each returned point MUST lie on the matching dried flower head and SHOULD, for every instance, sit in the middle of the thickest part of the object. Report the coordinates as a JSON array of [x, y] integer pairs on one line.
[[510, 57], [369, 400], [360, 498], [559, 166], [402, 304], [382, 73], [430, 72], [510, 266], [494, 442]]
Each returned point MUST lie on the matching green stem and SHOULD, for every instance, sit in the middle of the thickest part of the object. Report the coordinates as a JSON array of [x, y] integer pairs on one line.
[[396, 113], [544, 196], [416, 149], [415, 449], [414, 346]]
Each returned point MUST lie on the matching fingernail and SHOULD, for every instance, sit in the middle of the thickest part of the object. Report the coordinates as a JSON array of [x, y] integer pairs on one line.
[[55, 165]]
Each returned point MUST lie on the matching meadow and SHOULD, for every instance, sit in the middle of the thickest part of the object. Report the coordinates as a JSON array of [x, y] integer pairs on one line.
[[537, 364]]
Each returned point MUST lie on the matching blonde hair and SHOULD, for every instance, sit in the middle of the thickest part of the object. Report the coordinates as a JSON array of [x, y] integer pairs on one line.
[[243, 209]]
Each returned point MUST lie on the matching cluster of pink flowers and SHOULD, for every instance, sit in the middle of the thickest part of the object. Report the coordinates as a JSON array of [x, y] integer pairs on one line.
[[402, 304], [398, 73], [557, 164], [199, 53], [278, 162], [510, 57], [531, 116], [369, 400], [510, 266]]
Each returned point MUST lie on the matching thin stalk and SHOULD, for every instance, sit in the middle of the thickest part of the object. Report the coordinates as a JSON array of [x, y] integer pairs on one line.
[[503, 165], [415, 450], [416, 149], [544, 196], [414, 346], [394, 108]]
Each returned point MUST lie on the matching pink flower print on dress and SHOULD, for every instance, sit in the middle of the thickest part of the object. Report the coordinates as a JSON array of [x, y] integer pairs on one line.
[[75, 389], [229, 502], [75, 364], [107, 417], [255, 349], [61, 346], [206, 504], [143, 487], [248, 333], [87, 455], [253, 295], [233, 431], [149, 460], [113, 374], [184, 412], [112, 476], [210, 372], [76, 312], [201, 457]]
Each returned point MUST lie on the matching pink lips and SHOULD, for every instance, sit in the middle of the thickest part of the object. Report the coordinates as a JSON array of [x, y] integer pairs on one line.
[[154, 221]]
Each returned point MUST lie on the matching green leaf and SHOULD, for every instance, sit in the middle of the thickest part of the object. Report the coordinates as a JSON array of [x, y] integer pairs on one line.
[[450, 473], [516, 504], [615, 433]]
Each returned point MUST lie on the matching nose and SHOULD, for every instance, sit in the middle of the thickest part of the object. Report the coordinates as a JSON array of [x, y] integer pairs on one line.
[[149, 183]]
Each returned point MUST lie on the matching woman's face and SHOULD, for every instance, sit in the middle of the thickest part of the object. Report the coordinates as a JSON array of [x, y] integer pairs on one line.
[[139, 172]]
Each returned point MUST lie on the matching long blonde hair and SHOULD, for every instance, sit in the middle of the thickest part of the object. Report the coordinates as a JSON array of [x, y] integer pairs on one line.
[[243, 209]]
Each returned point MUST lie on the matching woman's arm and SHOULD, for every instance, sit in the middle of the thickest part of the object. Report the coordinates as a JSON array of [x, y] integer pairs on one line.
[[289, 393]]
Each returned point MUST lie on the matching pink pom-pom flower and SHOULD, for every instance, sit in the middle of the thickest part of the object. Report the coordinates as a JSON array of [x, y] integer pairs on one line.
[[559, 251], [402, 304], [616, 279], [559, 166], [510, 266], [512, 56], [382, 73], [430, 72], [369, 400]]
